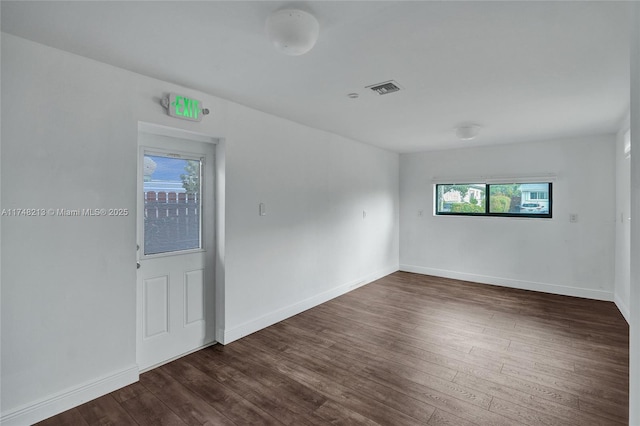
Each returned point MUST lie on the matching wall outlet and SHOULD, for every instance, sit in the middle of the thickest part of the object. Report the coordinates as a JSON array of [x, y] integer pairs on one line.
[[420, 213], [573, 217]]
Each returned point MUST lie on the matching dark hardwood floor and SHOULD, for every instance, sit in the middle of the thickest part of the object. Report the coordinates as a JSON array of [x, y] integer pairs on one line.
[[405, 350]]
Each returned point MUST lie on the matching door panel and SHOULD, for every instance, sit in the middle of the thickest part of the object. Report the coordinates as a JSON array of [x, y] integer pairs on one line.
[[194, 296], [177, 248], [156, 306]]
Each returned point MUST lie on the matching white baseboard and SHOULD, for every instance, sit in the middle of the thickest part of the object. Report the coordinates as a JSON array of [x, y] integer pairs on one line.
[[622, 307], [235, 333], [63, 401], [508, 282]]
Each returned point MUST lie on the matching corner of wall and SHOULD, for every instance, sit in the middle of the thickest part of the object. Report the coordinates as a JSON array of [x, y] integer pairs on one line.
[[622, 307]]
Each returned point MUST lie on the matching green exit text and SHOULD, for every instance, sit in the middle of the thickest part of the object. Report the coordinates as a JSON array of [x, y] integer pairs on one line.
[[185, 107]]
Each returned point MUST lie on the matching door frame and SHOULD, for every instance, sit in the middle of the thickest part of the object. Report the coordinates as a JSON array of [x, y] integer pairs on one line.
[[215, 248]]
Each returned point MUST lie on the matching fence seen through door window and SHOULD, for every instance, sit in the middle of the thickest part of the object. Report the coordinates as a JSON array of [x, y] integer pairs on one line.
[[172, 204]]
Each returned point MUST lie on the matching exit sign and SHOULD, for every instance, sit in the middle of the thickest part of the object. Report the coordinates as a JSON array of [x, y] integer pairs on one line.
[[184, 107]]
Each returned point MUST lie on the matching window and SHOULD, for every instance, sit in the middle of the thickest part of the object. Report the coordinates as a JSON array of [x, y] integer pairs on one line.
[[530, 199], [172, 204]]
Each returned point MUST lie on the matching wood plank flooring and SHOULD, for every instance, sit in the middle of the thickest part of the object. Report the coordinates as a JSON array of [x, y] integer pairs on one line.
[[407, 349]]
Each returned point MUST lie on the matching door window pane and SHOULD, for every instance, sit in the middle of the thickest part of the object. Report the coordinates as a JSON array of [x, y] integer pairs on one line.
[[172, 204]]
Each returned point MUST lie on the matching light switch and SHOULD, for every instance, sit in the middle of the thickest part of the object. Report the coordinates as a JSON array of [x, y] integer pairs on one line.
[[262, 209]]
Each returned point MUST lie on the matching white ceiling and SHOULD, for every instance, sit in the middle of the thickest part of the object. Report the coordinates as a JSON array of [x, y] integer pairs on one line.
[[523, 70]]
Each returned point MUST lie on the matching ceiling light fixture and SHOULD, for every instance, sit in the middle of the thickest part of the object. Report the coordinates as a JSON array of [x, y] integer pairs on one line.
[[293, 32], [466, 132]]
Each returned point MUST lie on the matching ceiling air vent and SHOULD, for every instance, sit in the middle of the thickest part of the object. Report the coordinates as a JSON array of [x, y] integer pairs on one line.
[[385, 88]]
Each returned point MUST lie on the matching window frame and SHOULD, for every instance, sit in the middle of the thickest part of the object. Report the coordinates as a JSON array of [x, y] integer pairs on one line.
[[487, 201]]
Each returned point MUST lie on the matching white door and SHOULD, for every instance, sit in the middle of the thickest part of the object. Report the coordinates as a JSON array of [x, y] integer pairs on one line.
[[175, 284]]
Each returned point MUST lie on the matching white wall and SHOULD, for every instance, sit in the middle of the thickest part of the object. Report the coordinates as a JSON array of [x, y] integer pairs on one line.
[[623, 224], [315, 186], [634, 296], [551, 255], [69, 138]]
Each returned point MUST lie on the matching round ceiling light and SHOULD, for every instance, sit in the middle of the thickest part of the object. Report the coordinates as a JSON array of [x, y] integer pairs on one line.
[[466, 132], [293, 32]]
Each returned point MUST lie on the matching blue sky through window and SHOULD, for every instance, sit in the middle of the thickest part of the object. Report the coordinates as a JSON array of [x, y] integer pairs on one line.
[[167, 169]]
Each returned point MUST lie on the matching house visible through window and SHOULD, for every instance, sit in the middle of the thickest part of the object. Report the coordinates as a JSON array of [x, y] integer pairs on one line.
[[539, 196], [530, 199]]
